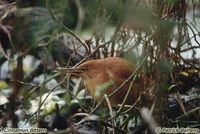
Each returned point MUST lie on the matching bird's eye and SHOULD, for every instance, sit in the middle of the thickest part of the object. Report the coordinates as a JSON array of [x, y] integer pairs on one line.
[[85, 68]]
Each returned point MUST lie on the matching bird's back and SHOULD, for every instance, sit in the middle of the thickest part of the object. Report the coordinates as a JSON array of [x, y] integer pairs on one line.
[[122, 69]]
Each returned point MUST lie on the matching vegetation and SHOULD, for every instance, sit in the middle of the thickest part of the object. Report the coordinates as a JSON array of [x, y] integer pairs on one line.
[[161, 37]]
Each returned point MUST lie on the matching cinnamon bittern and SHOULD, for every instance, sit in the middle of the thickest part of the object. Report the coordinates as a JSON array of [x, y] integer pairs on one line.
[[103, 76]]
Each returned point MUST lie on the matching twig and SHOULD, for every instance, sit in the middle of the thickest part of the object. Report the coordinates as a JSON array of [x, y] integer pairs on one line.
[[153, 105], [136, 70], [188, 113], [133, 106], [180, 102], [35, 43], [125, 98], [8, 5], [4, 53], [193, 34], [29, 84], [111, 113], [115, 91], [148, 119], [67, 29], [80, 16], [78, 115], [44, 100]]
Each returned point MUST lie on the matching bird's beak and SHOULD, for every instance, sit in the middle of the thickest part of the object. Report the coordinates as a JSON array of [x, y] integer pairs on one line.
[[76, 71]]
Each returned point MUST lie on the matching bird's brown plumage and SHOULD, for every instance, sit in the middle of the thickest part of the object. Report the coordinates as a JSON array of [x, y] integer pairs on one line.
[[96, 73]]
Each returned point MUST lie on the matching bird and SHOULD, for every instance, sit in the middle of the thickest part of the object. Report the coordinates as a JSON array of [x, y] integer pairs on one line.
[[104, 76]]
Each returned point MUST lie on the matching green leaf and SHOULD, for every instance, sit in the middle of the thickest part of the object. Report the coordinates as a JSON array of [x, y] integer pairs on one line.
[[31, 25], [100, 89], [162, 88], [3, 84], [165, 66]]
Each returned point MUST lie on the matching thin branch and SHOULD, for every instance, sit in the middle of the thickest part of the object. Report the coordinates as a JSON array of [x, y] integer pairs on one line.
[[4, 53], [67, 29], [8, 5], [115, 91], [125, 98], [188, 113], [111, 113], [194, 34], [44, 100], [136, 70]]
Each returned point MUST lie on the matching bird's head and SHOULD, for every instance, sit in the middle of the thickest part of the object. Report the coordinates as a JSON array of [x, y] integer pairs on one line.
[[88, 69]]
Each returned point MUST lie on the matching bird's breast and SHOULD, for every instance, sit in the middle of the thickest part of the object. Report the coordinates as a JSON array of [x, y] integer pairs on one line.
[[98, 86]]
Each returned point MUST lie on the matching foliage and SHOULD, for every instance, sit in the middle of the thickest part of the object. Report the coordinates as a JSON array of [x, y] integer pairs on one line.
[[37, 37]]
